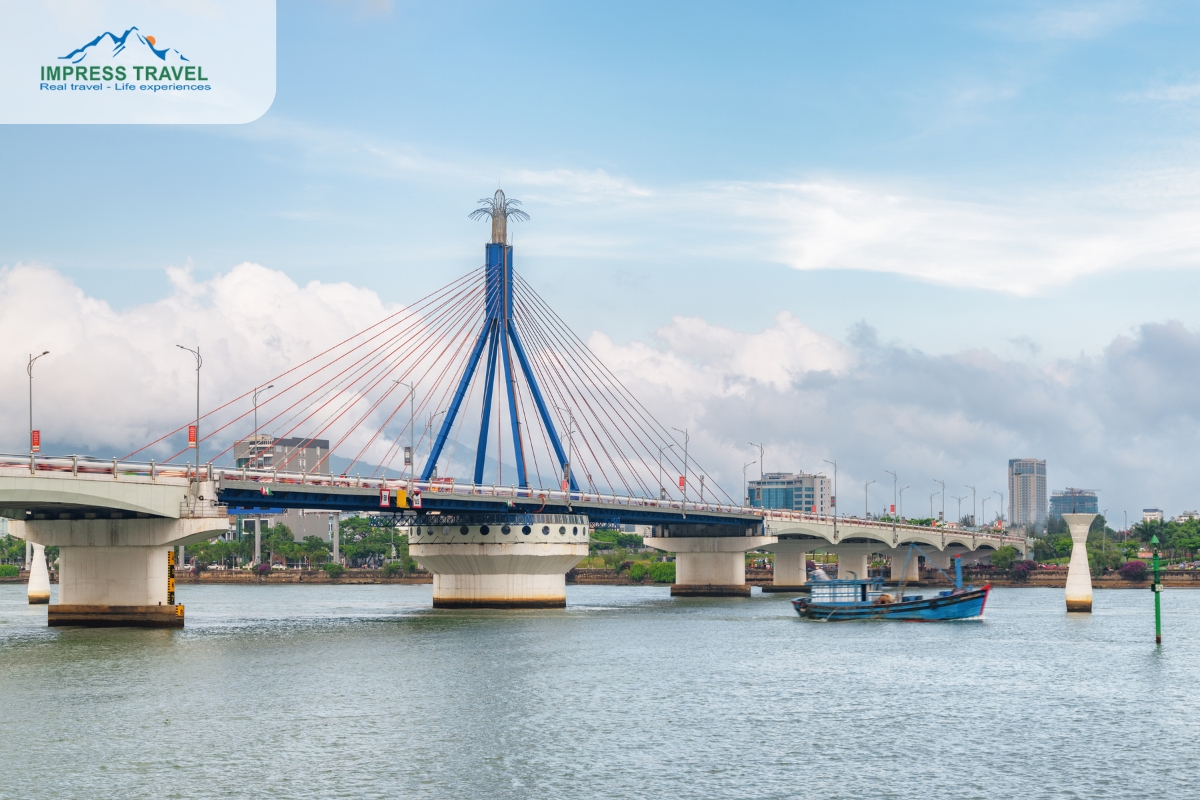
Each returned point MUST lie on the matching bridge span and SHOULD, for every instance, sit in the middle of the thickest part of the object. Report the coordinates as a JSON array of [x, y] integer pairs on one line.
[[115, 522]]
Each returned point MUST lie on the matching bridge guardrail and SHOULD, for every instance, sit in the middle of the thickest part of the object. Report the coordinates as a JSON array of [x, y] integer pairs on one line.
[[88, 467]]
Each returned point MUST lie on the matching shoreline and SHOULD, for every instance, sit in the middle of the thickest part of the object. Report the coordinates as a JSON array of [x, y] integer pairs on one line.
[[1056, 579]]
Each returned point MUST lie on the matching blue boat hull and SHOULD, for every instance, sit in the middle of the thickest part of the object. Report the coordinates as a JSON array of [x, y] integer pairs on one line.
[[966, 605]]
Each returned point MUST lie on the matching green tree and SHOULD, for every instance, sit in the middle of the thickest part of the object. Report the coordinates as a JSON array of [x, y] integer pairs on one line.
[[1005, 557]]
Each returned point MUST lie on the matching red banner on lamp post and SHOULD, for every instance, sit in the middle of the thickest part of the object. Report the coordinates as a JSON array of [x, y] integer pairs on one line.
[[35, 441], [682, 481], [191, 435]]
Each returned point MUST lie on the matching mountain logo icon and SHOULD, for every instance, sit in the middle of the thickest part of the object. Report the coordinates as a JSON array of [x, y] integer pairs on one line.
[[132, 45]]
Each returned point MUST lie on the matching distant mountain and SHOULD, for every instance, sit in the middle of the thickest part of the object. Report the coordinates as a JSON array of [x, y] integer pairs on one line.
[[131, 47]]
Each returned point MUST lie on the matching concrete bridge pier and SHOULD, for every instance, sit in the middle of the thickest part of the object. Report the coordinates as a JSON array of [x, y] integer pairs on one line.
[[499, 561], [38, 590], [791, 555], [1079, 575], [898, 557], [710, 560], [115, 572], [854, 559]]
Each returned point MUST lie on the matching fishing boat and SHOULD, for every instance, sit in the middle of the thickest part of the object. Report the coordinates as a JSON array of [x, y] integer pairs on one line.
[[847, 599]]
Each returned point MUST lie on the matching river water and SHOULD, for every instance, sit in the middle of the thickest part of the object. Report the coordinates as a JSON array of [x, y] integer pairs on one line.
[[365, 691]]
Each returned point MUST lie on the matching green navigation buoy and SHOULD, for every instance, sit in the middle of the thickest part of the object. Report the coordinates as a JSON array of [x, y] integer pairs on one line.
[[1157, 588]]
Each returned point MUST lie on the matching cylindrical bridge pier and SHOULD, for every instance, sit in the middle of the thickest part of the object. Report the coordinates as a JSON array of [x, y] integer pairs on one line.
[[499, 561]]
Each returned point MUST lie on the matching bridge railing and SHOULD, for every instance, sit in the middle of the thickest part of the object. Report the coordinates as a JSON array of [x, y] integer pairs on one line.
[[149, 471], [89, 467]]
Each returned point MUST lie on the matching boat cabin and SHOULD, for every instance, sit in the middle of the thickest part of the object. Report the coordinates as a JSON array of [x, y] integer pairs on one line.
[[845, 592]]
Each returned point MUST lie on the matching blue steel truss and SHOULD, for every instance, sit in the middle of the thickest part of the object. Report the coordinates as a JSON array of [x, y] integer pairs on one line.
[[500, 336]]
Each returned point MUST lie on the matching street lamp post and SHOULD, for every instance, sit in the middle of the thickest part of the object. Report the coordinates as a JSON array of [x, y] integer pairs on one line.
[[834, 503], [983, 508], [662, 492], [1001, 494], [943, 494], [571, 448], [895, 502], [199, 363], [745, 497], [412, 432], [760, 458], [686, 439], [29, 371], [866, 500], [901, 508], [959, 499], [257, 392], [972, 488]]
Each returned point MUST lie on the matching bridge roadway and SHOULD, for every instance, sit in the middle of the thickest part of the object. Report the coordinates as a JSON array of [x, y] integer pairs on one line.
[[77, 502]]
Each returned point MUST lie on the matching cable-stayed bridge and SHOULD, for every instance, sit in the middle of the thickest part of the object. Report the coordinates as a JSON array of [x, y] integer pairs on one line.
[[482, 364]]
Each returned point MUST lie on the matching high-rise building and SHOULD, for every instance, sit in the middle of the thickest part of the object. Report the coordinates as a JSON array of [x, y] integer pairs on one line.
[[793, 491], [1027, 492], [287, 455], [1074, 501], [1152, 515]]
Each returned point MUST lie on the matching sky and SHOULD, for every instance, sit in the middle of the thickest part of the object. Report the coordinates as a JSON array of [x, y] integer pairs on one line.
[[924, 238]]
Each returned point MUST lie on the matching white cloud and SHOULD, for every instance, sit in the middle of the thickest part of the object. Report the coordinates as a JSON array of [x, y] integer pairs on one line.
[[115, 380], [1126, 422]]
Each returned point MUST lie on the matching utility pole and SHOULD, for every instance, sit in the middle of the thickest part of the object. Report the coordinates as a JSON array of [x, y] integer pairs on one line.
[[745, 496], [866, 500], [972, 488], [683, 479], [760, 458], [199, 363], [29, 371]]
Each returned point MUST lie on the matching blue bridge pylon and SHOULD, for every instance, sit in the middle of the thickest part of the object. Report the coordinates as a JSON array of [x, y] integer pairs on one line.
[[500, 336]]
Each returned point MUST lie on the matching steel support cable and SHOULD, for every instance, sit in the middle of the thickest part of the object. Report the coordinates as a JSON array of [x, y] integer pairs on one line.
[[467, 324], [588, 419], [624, 392], [462, 418], [370, 356], [467, 334], [587, 385], [363, 417], [280, 376], [611, 412], [384, 374], [618, 424], [573, 379], [621, 391], [386, 360], [532, 450], [349, 374], [551, 387], [584, 359], [381, 360]]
